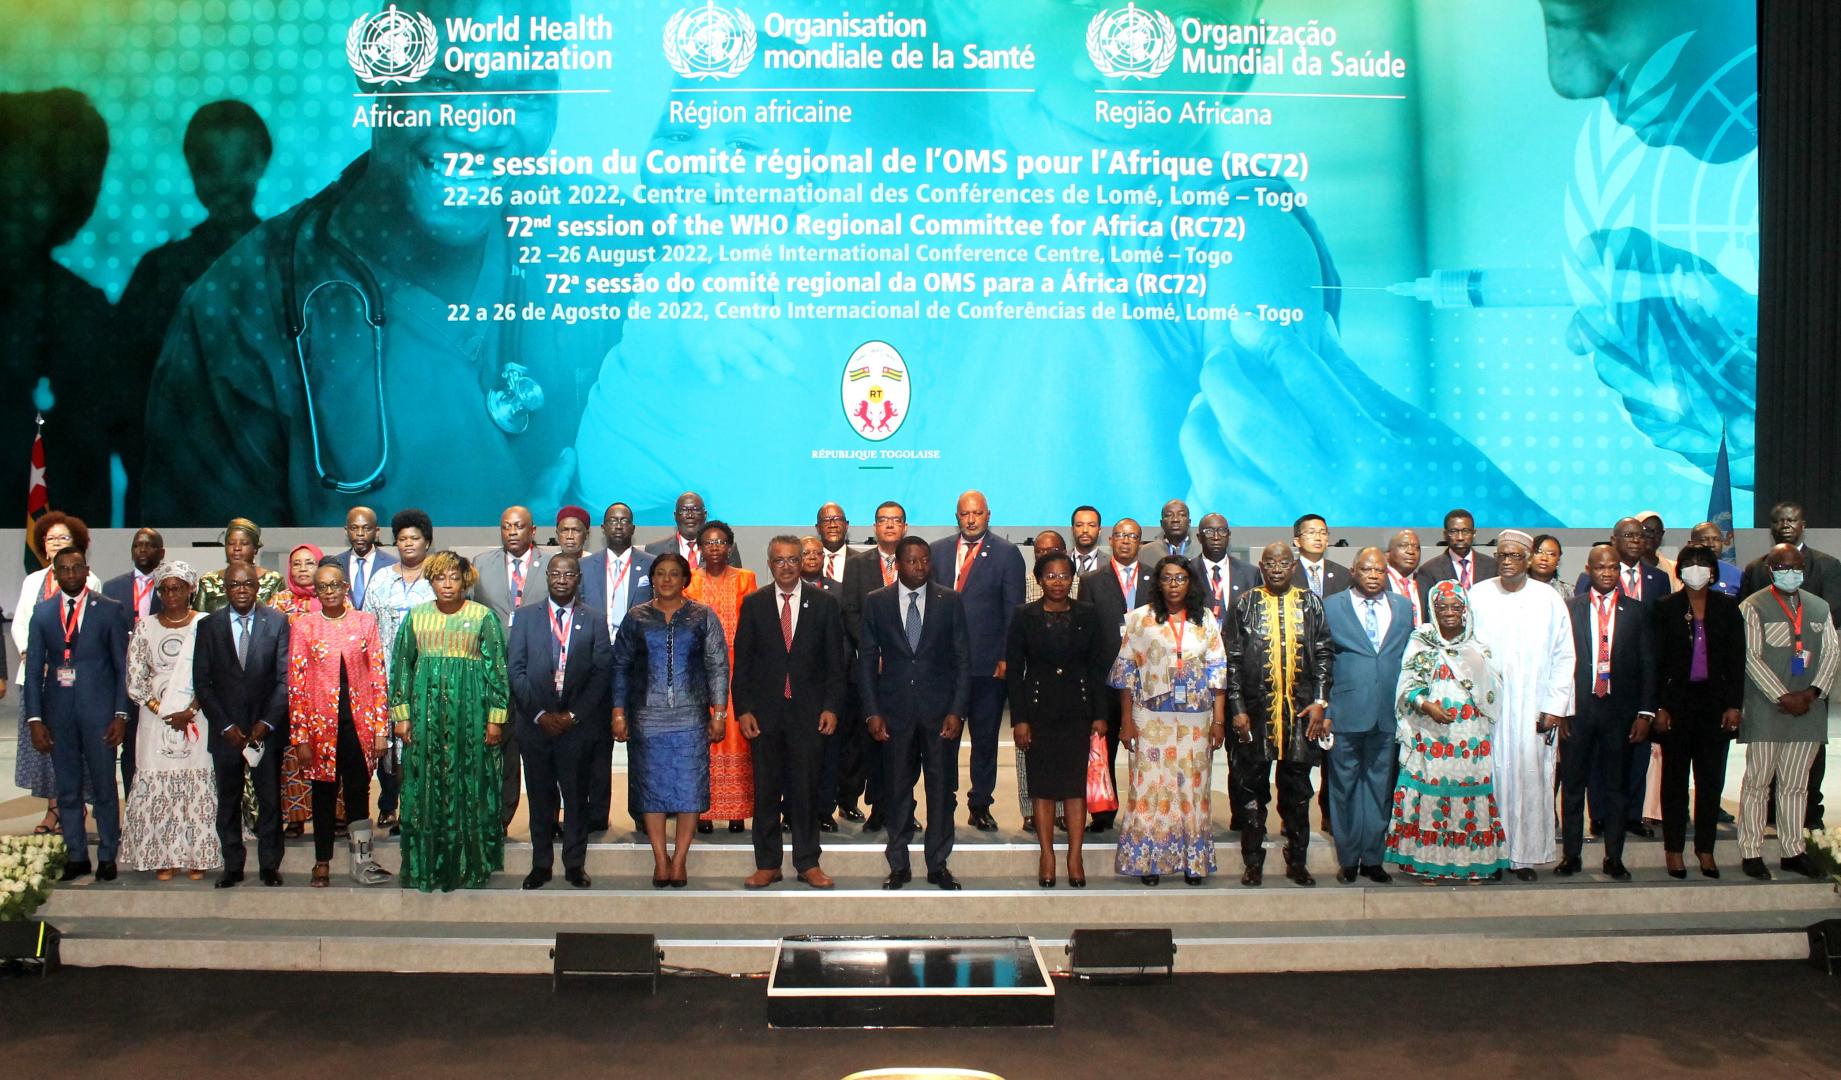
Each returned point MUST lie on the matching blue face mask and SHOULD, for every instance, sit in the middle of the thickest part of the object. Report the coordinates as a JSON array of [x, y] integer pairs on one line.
[[1787, 580]]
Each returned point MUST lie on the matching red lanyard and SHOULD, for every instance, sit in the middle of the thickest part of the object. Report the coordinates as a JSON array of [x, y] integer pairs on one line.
[[141, 588], [72, 618], [560, 627], [1796, 618], [965, 562], [1180, 620]]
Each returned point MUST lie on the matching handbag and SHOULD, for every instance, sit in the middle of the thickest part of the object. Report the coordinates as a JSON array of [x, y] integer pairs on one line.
[[1101, 797]]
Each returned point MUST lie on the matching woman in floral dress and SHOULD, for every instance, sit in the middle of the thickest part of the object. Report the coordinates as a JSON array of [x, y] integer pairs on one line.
[[720, 586]]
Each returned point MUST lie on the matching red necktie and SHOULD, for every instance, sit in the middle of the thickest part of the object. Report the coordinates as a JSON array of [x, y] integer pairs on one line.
[[690, 553], [517, 581], [1605, 605], [786, 634], [830, 562]]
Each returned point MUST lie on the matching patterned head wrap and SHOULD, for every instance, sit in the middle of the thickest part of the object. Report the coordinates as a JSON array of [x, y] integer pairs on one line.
[[246, 527], [1518, 537], [174, 568]]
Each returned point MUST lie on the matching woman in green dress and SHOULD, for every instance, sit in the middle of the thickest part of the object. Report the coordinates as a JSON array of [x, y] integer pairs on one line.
[[242, 543], [447, 696]]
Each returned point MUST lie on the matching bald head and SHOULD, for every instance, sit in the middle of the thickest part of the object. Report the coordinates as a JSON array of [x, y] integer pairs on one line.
[[974, 515], [1403, 552]]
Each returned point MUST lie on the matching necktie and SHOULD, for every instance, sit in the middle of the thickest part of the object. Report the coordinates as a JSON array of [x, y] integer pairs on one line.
[[143, 589], [1214, 577], [242, 641], [1633, 585], [1605, 605], [358, 582], [70, 613], [517, 580], [786, 633], [690, 552], [914, 621], [830, 562], [1463, 571], [1371, 621], [1086, 564], [1316, 580], [888, 570]]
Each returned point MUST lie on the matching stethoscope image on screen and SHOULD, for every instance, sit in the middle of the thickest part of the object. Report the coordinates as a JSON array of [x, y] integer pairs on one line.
[[510, 402]]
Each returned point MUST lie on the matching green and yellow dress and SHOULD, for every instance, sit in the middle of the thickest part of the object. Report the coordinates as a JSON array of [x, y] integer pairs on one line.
[[447, 679]]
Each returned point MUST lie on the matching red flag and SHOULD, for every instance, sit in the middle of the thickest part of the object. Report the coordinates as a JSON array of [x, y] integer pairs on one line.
[[38, 499]]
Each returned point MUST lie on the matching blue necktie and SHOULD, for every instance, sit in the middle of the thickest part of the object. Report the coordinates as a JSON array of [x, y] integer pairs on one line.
[[242, 641], [914, 621], [1372, 621], [358, 583], [1316, 580]]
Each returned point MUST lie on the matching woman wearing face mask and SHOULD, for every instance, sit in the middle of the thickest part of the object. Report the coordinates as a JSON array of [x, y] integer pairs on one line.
[[1700, 686]]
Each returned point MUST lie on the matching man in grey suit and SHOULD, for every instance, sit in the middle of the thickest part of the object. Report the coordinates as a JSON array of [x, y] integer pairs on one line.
[[1088, 553], [690, 515], [1369, 628], [511, 577], [614, 581], [363, 559]]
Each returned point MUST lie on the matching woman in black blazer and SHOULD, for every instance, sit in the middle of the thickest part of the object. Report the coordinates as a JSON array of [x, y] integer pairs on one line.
[[1700, 685], [1055, 666]]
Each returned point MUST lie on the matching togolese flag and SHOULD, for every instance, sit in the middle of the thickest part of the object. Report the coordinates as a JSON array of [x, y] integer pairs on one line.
[[38, 499]]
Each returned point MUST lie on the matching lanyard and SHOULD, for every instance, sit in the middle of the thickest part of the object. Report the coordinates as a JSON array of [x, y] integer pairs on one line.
[[1796, 618], [616, 575], [1179, 621], [72, 618], [142, 586], [966, 558]]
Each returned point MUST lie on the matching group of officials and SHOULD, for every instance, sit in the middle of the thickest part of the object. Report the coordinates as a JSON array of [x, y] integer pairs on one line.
[[853, 676]]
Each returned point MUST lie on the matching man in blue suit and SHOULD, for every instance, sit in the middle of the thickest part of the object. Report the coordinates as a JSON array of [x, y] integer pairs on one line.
[[363, 559], [914, 675], [134, 591], [560, 667], [76, 705], [614, 581], [987, 572], [1369, 628], [1647, 585]]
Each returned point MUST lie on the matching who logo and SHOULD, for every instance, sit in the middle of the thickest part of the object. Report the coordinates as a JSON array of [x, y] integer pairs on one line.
[[709, 42], [1131, 42], [392, 46]]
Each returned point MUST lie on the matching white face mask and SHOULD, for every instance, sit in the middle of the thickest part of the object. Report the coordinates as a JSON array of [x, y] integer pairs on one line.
[[1696, 577]]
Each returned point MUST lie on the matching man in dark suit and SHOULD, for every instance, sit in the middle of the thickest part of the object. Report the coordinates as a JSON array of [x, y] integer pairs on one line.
[[134, 591], [1459, 562], [559, 666], [987, 572], [914, 675], [1614, 696], [1175, 524], [363, 559], [791, 669], [1121, 584], [240, 677], [1223, 577], [1088, 553], [1645, 584], [690, 515], [614, 581], [1369, 628], [1310, 534], [76, 705], [859, 759], [511, 578]]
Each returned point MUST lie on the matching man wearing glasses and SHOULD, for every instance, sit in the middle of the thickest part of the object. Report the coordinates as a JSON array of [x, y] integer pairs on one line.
[[859, 760], [1459, 562], [511, 577], [1121, 584]]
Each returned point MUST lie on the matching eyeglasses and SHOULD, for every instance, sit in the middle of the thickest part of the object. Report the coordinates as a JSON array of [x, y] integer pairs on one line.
[[329, 586], [1210, 530], [1127, 536], [1057, 575], [786, 560], [714, 541], [229, 585], [1173, 579], [835, 519], [563, 575]]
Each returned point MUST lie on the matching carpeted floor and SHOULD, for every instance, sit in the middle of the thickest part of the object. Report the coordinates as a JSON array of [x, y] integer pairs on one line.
[[1753, 1020]]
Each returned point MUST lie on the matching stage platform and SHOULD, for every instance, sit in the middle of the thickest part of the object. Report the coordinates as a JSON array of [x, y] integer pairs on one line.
[[715, 924]]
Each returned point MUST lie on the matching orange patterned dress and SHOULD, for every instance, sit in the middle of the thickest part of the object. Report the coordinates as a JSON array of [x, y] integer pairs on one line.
[[731, 764]]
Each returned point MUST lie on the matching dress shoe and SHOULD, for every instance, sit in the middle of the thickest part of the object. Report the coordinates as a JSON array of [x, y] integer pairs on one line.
[[73, 871], [738, 826], [1061, 823], [760, 879], [680, 882], [1029, 825], [982, 821], [271, 878], [816, 878], [1377, 874], [1796, 864], [1679, 873], [1094, 828], [1567, 868], [1615, 870], [1253, 876], [661, 883], [1346, 874], [578, 877], [897, 878], [1710, 872], [1526, 873], [1597, 829], [1300, 874], [1076, 882], [105, 870], [1754, 868], [1047, 882], [1150, 881], [1193, 879], [827, 824], [850, 813], [704, 828], [230, 880], [1637, 828], [873, 823], [943, 879], [537, 878], [598, 826]]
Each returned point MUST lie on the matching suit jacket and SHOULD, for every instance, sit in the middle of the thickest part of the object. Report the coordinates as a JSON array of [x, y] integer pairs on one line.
[[1367, 678], [379, 559], [1441, 567], [901, 684], [638, 581], [494, 588], [239, 695], [99, 653], [862, 576], [1100, 591], [1674, 645], [120, 589], [992, 593], [1633, 658], [1240, 577], [1059, 679], [1656, 585], [1821, 574], [1335, 578], [818, 662], [669, 544], [530, 668], [1102, 554]]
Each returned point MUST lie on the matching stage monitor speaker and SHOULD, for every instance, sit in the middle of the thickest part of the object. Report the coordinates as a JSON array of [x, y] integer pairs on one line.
[[1118, 953], [630, 956], [30, 944], [1825, 945]]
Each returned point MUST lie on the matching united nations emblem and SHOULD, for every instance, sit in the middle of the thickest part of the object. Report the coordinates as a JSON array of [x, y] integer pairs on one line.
[[876, 392], [709, 42], [1131, 42], [392, 46]]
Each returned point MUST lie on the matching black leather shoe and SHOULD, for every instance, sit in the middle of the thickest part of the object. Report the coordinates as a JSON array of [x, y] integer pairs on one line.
[[1029, 825], [1637, 828], [1192, 879], [1300, 874], [1799, 864], [271, 878], [1526, 873], [1061, 823], [1597, 829], [73, 871], [704, 828], [105, 870], [1253, 876], [1567, 868], [1346, 874], [598, 826], [1377, 874], [1150, 881], [578, 877], [1615, 870], [873, 823], [1094, 828], [850, 813], [897, 878], [537, 878], [982, 821], [827, 824], [230, 880], [738, 826], [1710, 872], [1754, 868], [1679, 874], [943, 879]]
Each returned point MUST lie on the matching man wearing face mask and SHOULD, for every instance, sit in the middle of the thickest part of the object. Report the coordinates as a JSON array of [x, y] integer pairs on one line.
[[1790, 664]]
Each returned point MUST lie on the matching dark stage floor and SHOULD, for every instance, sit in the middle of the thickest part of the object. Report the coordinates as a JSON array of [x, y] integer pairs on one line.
[[1757, 1020]]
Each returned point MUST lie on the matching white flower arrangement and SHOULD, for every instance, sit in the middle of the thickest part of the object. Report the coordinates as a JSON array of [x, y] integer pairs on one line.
[[29, 869], [1824, 847]]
